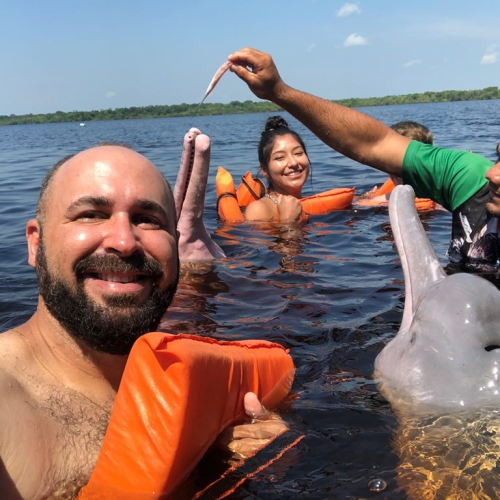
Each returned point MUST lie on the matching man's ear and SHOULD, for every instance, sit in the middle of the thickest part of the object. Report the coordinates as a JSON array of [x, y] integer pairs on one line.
[[33, 240]]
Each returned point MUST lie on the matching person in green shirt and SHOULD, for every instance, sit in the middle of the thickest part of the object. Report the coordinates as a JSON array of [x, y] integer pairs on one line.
[[465, 183]]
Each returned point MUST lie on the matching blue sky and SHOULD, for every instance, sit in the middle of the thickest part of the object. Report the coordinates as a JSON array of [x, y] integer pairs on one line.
[[99, 54]]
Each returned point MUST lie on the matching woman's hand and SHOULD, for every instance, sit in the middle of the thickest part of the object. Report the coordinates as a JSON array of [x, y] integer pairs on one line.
[[289, 208]]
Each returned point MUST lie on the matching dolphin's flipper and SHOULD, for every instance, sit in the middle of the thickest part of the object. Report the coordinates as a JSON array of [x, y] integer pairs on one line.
[[195, 243], [420, 264]]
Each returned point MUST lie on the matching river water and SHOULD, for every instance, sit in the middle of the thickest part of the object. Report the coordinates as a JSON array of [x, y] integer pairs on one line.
[[331, 291]]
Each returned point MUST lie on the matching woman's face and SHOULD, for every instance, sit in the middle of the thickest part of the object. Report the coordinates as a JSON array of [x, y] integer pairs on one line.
[[288, 167]]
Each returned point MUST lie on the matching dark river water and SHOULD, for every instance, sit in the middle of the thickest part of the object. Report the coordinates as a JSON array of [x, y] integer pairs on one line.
[[331, 291]]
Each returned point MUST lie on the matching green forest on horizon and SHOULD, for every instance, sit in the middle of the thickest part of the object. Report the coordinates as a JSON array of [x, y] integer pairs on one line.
[[237, 107]]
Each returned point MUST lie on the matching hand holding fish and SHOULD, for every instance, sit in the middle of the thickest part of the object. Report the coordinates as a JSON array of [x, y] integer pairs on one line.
[[262, 78], [255, 68]]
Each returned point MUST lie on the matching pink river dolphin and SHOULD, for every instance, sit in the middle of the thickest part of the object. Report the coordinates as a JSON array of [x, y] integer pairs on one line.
[[441, 372], [447, 351], [195, 243]]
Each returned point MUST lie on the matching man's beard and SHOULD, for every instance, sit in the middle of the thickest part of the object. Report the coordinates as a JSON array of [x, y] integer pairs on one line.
[[114, 328]]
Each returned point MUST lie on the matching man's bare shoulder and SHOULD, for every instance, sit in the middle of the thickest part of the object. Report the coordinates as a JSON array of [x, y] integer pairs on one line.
[[43, 447], [12, 418], [16, 412], [14, 355], [15, 369]]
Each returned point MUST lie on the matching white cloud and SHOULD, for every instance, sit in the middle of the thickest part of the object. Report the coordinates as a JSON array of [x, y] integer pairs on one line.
[[411, 63], [348, 9], [355, 40], [491, 55], [110, 94], [490, 58], [311, 47]]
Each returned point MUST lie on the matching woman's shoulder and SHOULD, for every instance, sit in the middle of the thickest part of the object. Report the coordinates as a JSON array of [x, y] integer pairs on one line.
[[264, 210]]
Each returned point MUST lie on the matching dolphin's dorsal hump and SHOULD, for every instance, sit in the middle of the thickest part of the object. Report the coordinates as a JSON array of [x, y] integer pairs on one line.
[[420, 264]]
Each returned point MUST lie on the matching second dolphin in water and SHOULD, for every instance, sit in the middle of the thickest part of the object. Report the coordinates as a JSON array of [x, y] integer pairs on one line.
[[441, 372], [447, 351]]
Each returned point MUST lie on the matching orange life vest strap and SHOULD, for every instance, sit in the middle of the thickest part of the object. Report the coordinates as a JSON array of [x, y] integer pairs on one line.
[[248, 468], [221, 197], [249, 190], [178, 392]]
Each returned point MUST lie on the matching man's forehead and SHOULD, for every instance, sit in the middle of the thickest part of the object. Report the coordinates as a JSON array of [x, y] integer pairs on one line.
[[114, 168], [112, 156], [108, 161]]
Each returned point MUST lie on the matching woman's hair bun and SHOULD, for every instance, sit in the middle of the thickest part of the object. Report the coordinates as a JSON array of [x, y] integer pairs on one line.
[[275, 122]]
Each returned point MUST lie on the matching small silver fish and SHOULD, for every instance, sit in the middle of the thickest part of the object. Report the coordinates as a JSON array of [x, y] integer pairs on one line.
[[213, 83]]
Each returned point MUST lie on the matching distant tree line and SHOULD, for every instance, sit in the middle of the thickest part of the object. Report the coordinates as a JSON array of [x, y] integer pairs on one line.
[[443, 96], [237, 107]]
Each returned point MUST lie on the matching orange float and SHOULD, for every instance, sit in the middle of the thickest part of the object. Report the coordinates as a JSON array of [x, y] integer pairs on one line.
[[178, 392], [328, 201], [424, 204], [370, 199], [227, 203], [230, 201], [385, 188]]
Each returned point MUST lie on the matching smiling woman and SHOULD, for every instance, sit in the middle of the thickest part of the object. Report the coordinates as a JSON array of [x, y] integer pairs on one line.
[[284, 163]]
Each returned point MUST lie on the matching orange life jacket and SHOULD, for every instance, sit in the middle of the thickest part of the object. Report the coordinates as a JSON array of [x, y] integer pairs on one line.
[[249, 190], [178, 392]]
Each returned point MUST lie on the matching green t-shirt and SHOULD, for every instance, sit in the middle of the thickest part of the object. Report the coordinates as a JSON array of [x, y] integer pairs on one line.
[[447, 176]]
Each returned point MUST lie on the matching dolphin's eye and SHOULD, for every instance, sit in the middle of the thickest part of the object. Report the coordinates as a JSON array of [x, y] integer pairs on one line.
[[491, 347]]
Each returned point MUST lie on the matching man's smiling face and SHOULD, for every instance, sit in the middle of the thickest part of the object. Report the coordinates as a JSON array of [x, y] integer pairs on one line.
[[107, 246]]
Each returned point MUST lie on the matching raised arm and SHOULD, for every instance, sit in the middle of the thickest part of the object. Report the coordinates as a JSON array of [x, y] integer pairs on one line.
[[348, 131]]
